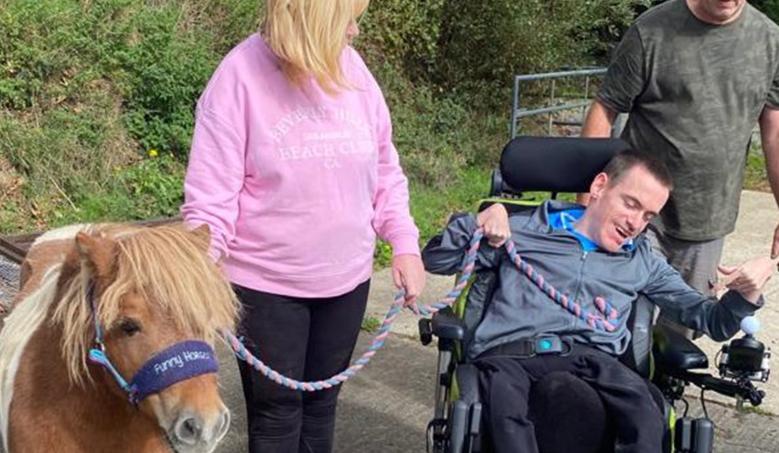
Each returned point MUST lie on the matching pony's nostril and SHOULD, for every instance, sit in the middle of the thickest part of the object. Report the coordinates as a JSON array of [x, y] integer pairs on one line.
[[188, 430], [223, 425]]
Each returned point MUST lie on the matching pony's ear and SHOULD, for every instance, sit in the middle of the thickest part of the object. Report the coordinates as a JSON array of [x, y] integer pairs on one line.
[[202, 236], [98, 252]]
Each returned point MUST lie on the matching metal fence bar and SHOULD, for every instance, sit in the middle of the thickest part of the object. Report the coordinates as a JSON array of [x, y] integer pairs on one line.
[[552, 109], [518, 112]]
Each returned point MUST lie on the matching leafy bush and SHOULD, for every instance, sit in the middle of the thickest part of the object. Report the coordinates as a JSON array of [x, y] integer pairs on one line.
[[484, 44], [769, 7], [87, 88]]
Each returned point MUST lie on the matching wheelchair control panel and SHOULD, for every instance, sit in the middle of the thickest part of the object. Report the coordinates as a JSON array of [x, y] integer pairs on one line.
[[745, 358], [742, 362]]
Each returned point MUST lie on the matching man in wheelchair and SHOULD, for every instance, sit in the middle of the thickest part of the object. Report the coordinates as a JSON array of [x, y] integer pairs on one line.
[[599, 258]]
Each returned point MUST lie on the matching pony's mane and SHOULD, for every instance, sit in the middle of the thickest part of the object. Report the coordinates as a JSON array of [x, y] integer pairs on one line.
[[19, 326], [166, 265]]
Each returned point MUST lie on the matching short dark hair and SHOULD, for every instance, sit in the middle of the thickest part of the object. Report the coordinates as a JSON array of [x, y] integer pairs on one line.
[[626, 159]]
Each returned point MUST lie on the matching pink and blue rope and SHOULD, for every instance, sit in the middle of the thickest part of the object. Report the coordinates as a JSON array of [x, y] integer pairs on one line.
[[599, 321]]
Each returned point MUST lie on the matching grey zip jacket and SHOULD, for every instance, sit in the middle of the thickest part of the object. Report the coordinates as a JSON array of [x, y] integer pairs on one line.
[[519, 309]]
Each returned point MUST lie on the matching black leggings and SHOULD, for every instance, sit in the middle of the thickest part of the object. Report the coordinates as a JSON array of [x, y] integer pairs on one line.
[[305, 339]]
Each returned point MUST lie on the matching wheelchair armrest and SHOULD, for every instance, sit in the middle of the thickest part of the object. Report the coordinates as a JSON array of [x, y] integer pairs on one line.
[[446, 325], [675, 353]]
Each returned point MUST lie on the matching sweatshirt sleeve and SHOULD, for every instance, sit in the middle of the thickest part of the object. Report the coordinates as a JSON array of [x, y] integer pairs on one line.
[[719, 320], [444, 254], [392, 219], [214, 178]]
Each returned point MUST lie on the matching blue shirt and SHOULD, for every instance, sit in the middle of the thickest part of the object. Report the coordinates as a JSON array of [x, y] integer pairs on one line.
[[564, 220]]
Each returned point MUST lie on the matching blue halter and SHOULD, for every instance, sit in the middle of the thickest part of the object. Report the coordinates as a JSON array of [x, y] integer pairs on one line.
[[179, 362]]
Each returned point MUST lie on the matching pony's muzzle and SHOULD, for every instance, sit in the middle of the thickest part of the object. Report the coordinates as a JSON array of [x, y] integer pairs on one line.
[[193, 433]]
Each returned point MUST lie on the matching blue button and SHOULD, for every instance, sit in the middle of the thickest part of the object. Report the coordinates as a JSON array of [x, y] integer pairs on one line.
[[544, 345]]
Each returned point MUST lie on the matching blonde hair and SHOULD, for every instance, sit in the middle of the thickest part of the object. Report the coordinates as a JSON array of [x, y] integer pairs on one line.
[[168, 266], [309, 37]]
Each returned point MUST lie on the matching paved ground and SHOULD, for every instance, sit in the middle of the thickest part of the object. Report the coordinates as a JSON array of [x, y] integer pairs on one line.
[[386, 407]]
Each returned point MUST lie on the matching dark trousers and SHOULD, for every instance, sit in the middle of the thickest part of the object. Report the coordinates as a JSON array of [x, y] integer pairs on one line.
[[305, 339], [504, 383]]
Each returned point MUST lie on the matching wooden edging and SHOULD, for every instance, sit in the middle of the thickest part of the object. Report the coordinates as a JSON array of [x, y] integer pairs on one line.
[[15, 247]]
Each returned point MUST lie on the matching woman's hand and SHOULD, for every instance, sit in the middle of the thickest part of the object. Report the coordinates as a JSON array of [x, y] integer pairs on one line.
[[495, 221], [408, 273]]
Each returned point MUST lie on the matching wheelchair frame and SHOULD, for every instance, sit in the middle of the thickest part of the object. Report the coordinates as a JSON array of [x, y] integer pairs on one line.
[[456, 423]]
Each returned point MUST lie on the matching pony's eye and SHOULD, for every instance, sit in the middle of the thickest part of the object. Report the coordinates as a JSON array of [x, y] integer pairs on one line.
[[129, 327]]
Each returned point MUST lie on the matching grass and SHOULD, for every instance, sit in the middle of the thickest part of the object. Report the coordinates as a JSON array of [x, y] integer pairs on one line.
[[756, 177], [370, 324], [431, 207]]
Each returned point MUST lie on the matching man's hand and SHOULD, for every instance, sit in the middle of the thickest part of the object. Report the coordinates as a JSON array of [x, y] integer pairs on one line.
[[408, 273], [495, 221], [749, 278]]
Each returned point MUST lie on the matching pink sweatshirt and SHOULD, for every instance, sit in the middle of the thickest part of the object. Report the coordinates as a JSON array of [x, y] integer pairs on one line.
[[294, 184]]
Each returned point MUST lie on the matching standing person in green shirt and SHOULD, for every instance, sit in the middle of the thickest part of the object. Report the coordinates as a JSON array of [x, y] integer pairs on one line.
[[695, 76]]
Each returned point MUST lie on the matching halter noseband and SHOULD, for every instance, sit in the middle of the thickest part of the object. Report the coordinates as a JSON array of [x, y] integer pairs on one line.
[[179, 362]]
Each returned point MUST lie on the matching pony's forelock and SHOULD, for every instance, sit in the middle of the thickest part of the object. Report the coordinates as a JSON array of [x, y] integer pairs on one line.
[[167, 266]]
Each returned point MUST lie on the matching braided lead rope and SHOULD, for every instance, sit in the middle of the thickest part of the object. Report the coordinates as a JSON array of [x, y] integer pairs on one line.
[[595, 321], [378, 341]]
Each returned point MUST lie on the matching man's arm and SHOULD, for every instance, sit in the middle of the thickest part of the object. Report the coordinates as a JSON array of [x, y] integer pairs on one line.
[[599, 120], [719, 320], [444, 253], [597, 123], [769, 134]]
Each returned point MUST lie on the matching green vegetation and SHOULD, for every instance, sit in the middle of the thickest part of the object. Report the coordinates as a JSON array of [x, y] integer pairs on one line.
[[97, 98], [370, 324]]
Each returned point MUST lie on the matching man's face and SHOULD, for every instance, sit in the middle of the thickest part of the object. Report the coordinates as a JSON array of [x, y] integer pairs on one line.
[[717, 11], [620, 210]]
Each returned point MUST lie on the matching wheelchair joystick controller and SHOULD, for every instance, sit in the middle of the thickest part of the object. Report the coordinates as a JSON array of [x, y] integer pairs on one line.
[[746, 358], [742, 361]]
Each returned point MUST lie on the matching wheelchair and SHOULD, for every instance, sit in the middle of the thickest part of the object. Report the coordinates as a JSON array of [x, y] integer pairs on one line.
[[568, 165]]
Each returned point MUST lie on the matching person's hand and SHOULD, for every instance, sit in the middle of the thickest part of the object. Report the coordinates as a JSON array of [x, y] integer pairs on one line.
[[495, 222], [749, 278], [408, 273]]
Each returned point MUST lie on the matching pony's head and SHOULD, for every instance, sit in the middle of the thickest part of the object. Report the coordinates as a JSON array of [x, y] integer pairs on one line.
[[147, 289]]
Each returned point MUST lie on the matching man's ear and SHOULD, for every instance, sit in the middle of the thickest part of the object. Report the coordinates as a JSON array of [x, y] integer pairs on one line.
[[98, 252], [598, 185]]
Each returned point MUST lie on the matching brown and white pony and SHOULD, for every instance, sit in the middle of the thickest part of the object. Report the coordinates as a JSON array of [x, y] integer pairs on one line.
[[148, 288]]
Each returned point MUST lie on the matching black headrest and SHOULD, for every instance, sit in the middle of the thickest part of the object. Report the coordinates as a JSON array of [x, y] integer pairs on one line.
[[556, 164]]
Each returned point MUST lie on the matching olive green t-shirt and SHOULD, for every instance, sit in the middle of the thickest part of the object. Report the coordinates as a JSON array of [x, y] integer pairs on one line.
[[694, 92]]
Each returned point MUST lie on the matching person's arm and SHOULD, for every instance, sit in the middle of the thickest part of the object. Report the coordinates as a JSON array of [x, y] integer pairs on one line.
[[597, 123], [392, 219], [719, 320], [599, 120], [623, 83], [215, 175], [443, 254], [769, 134]]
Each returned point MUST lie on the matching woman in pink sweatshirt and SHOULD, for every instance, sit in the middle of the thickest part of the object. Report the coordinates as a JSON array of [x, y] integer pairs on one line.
[[294, 171]]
